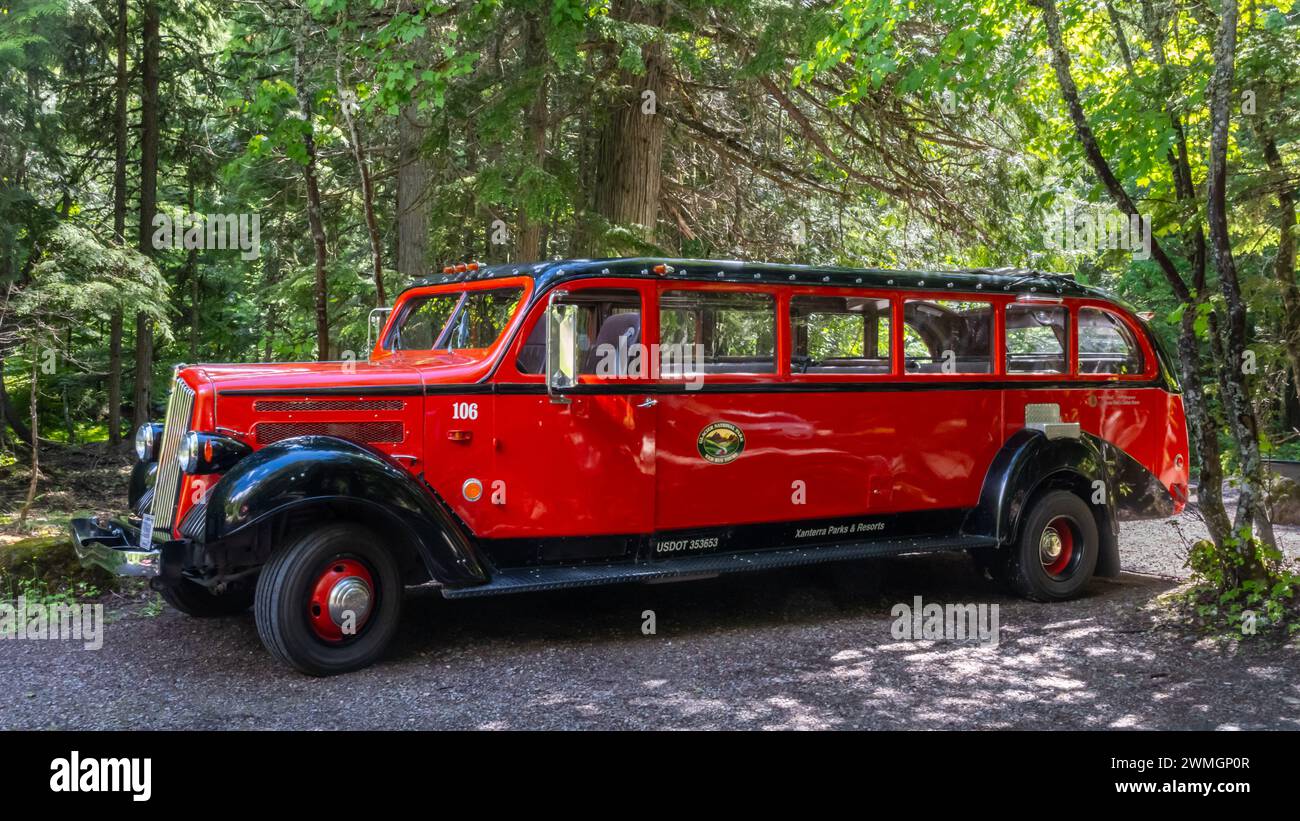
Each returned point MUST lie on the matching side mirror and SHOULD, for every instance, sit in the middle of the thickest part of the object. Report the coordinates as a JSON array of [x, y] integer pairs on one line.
[[561, 348], [374, 326]]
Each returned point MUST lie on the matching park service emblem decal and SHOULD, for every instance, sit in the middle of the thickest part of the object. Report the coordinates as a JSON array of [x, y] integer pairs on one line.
[[720, 442]]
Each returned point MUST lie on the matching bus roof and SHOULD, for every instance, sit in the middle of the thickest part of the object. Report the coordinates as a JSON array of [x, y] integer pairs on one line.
[[979, 280]]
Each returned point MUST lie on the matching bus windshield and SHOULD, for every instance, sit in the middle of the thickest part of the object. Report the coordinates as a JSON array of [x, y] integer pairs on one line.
[[454, 321]]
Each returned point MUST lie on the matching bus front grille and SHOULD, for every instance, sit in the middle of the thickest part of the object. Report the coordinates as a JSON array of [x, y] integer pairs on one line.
[[175, 426]]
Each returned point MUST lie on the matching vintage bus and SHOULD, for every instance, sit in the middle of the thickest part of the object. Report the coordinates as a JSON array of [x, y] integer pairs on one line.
[[587, 422]]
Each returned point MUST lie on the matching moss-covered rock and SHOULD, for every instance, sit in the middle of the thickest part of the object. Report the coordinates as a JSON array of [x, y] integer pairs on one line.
[[51, 563], [1284, 501]]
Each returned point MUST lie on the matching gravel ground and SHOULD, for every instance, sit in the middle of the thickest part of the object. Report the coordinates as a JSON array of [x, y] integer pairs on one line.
[[802, 649]]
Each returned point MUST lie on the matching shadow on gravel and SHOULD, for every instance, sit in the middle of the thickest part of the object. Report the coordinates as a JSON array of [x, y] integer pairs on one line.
[[813, 648], [806, 648], [799, 596]]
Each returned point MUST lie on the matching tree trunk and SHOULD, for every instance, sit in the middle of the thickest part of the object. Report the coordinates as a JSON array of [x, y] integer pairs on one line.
[[1204, 432], [529, 245], [192, 273], [149, 138], [313, 195], [346, 104], [36, 442], [119, 224], [1241, 414], [1284, 262], [629, 156], [20, 428], [412, 196], [67, 418], [268, 308], [1203, 420], [115, 378]]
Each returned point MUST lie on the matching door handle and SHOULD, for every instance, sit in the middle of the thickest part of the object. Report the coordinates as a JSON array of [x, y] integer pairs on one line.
[[649, 402]]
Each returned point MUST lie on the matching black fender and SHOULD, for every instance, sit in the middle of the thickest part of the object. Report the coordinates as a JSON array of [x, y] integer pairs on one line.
[[313, 471], [1030, 462]]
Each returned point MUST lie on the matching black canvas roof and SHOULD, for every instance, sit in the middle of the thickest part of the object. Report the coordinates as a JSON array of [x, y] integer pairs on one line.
[[1005, 280]]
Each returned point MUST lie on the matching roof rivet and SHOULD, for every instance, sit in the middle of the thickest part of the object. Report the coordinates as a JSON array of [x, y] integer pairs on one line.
[[721, 274], [826, 279], [757, 276], [792, 277], [922, 282], [604, 271], [888, 282], [949, 284], [1033, 290], [979, 286], [859, 280]]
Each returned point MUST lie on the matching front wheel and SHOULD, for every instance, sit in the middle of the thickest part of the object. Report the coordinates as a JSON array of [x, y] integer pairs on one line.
[[1056, 553], [329, 602]]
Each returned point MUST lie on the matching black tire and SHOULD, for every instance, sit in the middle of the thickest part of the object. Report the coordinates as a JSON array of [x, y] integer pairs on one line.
[[1026, 568], [284, 597], [194, 599]]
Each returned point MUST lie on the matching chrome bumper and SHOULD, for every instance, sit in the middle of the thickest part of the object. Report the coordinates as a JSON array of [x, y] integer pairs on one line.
[[114, 546]]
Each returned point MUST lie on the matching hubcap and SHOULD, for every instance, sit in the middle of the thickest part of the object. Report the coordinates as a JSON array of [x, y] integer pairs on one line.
[[1050, 545], [1056, 547], [341, 600]]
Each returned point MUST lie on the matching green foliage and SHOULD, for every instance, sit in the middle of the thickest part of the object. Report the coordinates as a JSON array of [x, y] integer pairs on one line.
[[1222, 599], [79, 276]]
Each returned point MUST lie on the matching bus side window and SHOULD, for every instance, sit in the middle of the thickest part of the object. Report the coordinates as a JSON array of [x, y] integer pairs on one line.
[[721, 331], [947, 336], [609, 326], [1107, 344], [1037, 339], [837, 334]]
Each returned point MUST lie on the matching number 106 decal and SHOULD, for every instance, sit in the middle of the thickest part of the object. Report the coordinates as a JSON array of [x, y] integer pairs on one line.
[[464, 410]]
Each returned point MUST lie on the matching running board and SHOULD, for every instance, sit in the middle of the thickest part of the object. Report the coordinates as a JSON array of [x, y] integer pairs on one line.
[[555, 577]]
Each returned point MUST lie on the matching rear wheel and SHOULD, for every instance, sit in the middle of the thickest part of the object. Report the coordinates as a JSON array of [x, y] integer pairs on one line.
[[329, 602], [194, 599], [1056, 553]]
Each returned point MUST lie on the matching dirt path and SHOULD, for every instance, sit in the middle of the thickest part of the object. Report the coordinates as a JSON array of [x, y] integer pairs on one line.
[[808, 648]]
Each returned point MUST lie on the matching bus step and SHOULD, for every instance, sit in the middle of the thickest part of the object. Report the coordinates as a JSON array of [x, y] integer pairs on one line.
[[555, 577]]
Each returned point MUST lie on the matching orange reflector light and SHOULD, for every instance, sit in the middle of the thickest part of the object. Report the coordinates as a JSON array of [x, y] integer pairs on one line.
[[473, 266], [472, 490], [460, 435]]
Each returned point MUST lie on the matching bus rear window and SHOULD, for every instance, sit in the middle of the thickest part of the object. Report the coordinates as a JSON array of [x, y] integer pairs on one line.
[[1107, 344], [947, 336], [1037, 338]]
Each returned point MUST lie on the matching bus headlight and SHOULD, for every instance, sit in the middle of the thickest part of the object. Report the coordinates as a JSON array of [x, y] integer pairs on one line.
[[187, 455], [209, 453], [147, 437]]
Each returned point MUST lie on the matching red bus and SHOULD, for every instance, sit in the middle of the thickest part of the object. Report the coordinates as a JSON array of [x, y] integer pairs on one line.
[[585, 422]]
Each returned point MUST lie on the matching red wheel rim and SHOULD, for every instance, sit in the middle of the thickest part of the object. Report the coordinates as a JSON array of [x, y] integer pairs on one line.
[[1056, 547], [341, 600]]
